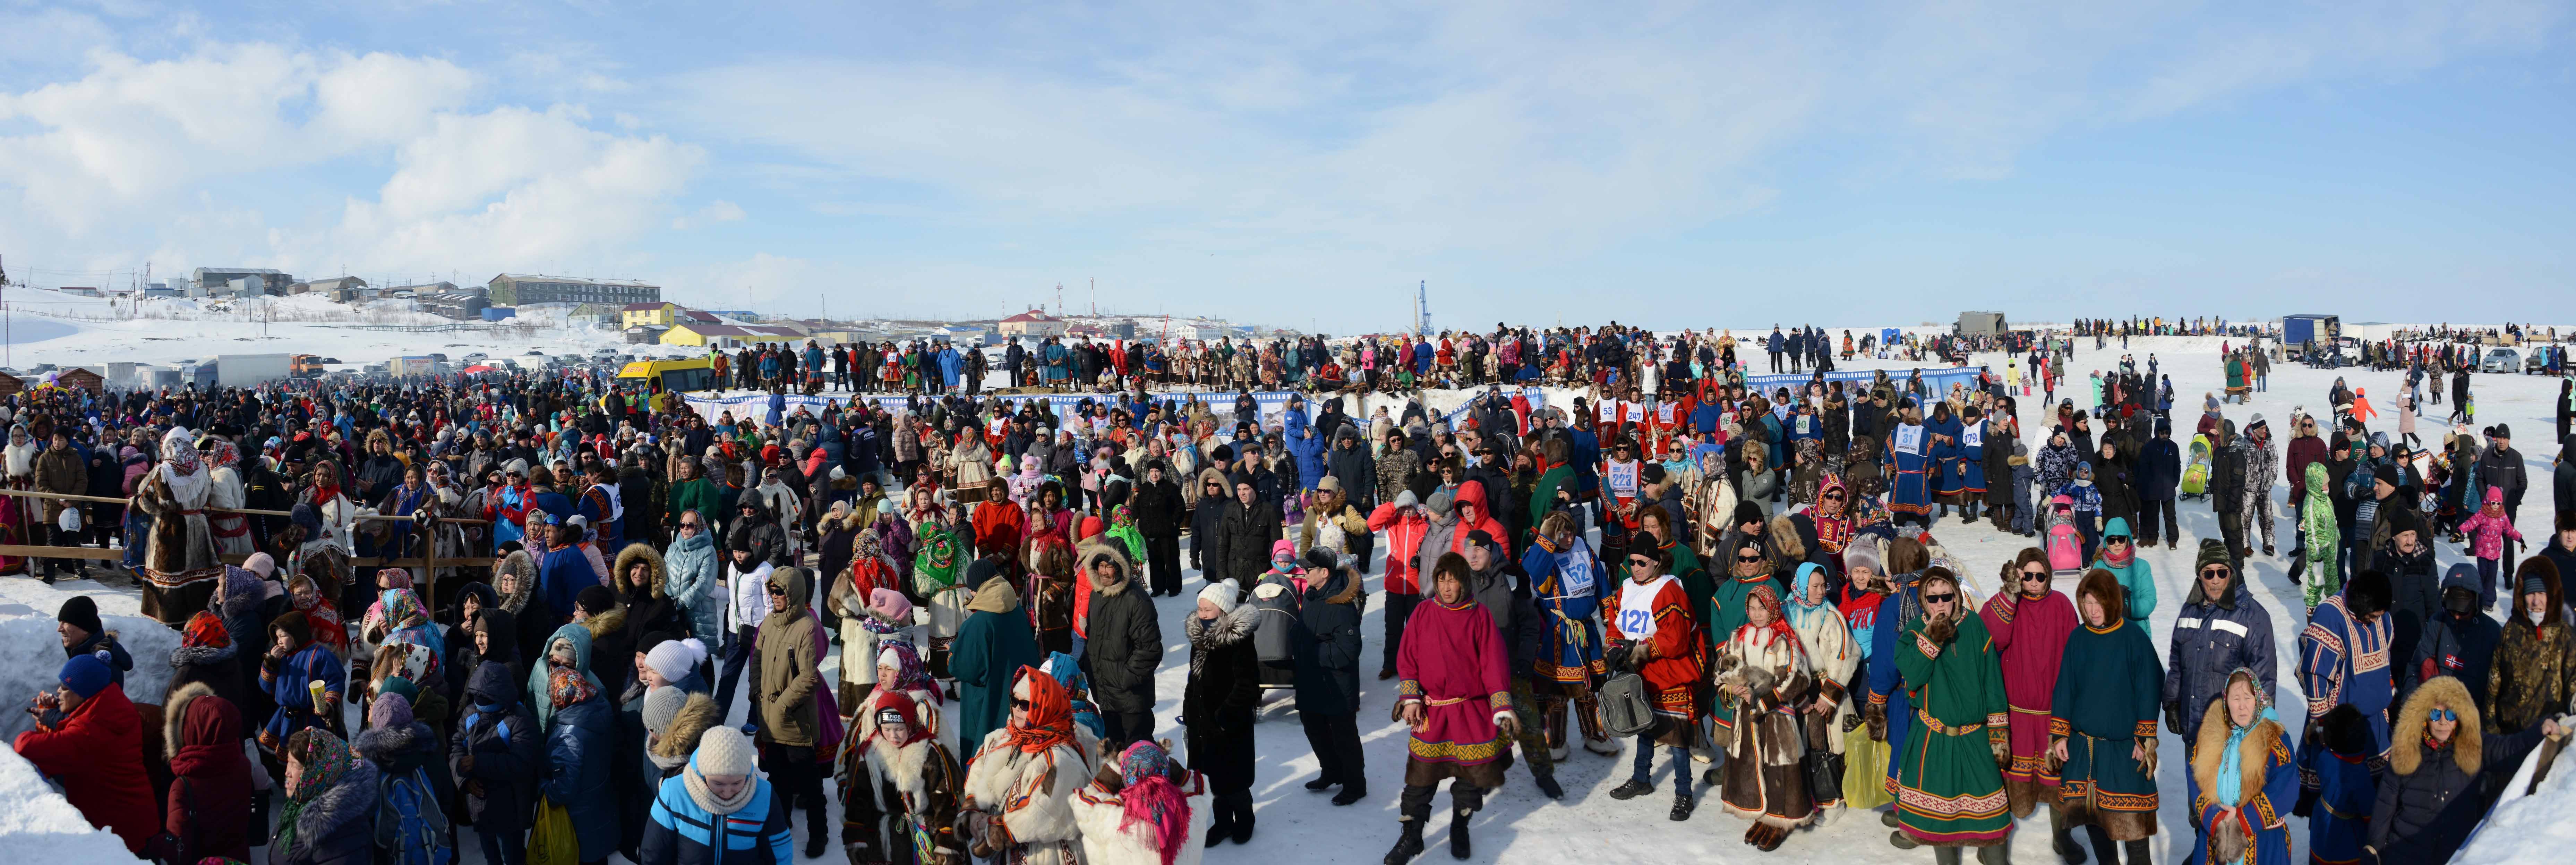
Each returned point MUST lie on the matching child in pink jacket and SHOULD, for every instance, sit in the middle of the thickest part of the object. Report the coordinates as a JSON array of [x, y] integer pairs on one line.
[[2487, 531]]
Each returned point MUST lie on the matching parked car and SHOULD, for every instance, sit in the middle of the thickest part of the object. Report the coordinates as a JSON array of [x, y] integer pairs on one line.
[[2537, 362], [2501, 359], [478, 356], [534, 353]]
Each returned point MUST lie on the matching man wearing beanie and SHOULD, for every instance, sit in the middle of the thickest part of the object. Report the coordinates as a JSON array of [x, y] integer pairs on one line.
[[83, 634], [89, 739], [2220, 627], [720, 782], [2372, 516]]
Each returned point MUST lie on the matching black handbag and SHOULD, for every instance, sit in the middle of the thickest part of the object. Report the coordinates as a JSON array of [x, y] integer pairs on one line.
[[1824, 775]]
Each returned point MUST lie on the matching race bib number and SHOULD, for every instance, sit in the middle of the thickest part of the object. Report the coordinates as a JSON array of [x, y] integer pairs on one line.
[[1635, 621]]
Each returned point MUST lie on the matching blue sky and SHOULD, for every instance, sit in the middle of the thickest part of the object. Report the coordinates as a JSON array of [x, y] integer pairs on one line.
[[1304, 164]]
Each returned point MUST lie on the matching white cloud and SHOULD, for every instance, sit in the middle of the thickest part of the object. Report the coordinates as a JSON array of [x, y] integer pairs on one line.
[[141, 143]]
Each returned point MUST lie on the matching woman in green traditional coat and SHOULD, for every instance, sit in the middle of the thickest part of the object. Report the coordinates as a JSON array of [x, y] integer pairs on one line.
[[2108, 685], [1750, 568], [1950, 782]]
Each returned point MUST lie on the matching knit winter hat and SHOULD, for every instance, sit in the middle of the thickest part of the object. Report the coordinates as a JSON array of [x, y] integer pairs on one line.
[[661, 705], [1221, 593], [2212, 551], [724, 751], [674, 659], [890, 605], [595, 599], [260, 563], [2384, 473], [1440, 502], [87, 674], [389, 711], [80, 612]]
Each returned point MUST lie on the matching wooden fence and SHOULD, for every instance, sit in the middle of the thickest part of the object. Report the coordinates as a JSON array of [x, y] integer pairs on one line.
[[425, 565]]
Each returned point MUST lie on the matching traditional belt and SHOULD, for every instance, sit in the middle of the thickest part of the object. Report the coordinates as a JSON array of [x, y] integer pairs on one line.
[[1935, 725]]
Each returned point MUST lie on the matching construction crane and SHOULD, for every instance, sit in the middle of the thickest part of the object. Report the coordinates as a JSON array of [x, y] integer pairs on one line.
[[1422, 308]]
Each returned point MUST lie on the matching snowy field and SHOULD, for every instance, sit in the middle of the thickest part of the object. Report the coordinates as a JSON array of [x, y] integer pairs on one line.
[[70, 330], [1520, 826]]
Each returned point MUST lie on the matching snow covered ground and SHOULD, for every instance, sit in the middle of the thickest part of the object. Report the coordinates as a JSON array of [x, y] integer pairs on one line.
[[70, 330], [1520, 826]]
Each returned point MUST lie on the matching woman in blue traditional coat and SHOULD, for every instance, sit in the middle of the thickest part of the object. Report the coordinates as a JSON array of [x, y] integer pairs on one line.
[[2243, 770], [1964, 472], [1909, 492], [1944, 429], [2108, 691], [1566, 578]]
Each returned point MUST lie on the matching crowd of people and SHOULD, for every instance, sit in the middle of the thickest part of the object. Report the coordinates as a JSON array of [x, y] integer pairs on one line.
[[517, 612]]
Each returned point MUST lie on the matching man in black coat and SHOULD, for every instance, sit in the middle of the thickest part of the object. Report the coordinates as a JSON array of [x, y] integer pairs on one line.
[[1157, 503], [1327, 643], [2500, 468], [2159, 472], [1124, 649], [1241, 548], [2227, 488]]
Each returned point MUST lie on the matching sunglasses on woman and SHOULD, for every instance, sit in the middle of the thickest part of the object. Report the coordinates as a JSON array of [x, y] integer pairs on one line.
[[1022, 705], [1749, 559], [1638, 562], [1942, 598], [2115, 539], [2441, 715], [2034, 576]]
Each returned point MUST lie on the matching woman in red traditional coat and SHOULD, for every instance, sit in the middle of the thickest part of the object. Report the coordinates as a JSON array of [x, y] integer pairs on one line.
[[1454, 692], [2029, 623]]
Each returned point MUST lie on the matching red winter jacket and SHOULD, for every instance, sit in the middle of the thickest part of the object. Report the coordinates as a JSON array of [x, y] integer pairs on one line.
[[97, 755]]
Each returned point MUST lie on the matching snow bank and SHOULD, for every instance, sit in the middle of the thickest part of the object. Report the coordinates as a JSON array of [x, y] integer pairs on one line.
[[31, 653], [39, 825], [2531, 828]]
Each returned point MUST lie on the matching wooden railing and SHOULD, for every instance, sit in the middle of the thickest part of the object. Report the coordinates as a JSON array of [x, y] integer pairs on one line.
[[425, 565]]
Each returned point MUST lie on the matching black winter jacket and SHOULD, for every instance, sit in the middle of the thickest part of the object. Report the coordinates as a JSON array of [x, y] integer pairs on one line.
[[506, 746], [1158, 508], [2159, 470], [1125, 642], [1241, 543], [1327, 643]]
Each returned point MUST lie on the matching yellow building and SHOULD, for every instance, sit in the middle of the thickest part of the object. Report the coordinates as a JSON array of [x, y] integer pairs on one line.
[[661, 314]]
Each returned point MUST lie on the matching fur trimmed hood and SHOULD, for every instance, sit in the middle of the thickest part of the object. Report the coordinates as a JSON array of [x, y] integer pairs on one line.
[[2251, 759], [354, 798], [673, 748], [1107, 553], [633, 553], [2468, 745], [174, 713], [1786, 546]]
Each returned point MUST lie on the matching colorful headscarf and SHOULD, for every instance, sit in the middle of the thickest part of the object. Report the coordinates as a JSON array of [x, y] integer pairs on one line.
[[1068, 673], [909, 673], [1799, 610], [1149, 795], [326, 759], [566, 686], [1833, 530], [936, 564], [204, 631], [1050, 714], [221, 452], [179, 451]]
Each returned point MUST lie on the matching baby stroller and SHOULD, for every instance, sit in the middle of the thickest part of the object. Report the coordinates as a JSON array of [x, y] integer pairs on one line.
[[2195, 469]]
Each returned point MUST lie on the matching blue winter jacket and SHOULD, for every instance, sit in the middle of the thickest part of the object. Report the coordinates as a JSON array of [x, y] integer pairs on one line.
[[681, 833], [2211, 640], [580, 742], [1307, 450]]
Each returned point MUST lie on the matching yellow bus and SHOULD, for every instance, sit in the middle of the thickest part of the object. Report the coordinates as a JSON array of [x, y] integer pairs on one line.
[[673, 375]]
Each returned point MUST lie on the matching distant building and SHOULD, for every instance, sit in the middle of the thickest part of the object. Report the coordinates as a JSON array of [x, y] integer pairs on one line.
[[212, 279], [660, 313], [82, 290], [419, 289], [1031, 323], [520, 289], [740, 314], [460, 305], [341, 289]]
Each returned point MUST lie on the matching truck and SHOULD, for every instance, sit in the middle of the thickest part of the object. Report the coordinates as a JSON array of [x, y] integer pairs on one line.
[[2298, 331], [306, 365], [1981, 323], [245, 370], [679, 375]]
